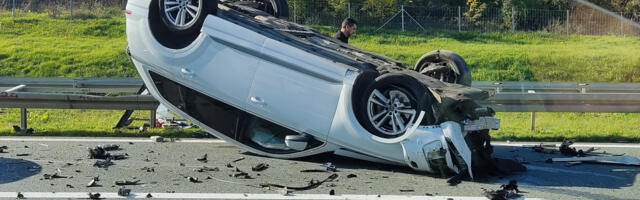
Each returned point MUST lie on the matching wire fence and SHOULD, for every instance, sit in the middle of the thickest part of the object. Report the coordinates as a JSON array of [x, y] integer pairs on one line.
[[579, 20]]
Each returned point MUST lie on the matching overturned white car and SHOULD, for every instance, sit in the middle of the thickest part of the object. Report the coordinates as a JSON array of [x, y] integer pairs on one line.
[[279, 89]]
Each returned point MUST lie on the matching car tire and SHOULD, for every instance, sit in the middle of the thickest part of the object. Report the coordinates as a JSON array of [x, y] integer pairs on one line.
[[392, 102], [446, 66], [276, 8], [167, 24]]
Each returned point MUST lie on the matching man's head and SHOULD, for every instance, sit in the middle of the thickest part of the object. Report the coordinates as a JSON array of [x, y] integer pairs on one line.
[[349, 27]]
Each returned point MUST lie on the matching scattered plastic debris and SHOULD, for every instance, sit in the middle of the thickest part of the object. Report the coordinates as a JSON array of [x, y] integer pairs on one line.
[[121, 183], [203, 158], [94, 195], [206, 169], [330, 167], [23, 154], [193, 180], [149, 195], [505, 192], [239, 174], [100, 152], [332, 192], [103, 163], [19, 130], [352, 176], [260, 167], [2, 148], [124, 192], [311, 185], [407, 190], [20, 196], [52, 176]]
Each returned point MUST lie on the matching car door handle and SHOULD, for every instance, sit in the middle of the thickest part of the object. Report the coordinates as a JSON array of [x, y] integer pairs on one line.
[[258, 101], [186, 72]]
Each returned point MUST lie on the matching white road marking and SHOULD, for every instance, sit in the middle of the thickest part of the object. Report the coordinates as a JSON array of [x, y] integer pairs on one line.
[[53, 139], [84, 195], [595, 145]]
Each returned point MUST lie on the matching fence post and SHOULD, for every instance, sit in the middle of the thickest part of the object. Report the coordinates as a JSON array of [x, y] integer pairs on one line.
[[71, 9], [622, 23], [459, 19], [294, 12], [13, 9], [568, 22], [402, 10], [513, 19], [533, 121], [349, 7]]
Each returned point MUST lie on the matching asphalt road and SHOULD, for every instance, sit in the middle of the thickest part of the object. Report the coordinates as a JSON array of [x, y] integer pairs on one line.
[[172, 162]]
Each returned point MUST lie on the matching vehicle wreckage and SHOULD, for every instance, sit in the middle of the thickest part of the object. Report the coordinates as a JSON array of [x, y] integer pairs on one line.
[[283, 90]]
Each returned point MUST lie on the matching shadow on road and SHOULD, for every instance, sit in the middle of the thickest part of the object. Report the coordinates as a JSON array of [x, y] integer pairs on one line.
[[12, 170]]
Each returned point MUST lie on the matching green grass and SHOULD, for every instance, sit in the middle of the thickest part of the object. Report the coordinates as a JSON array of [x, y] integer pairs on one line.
[[92, 45]]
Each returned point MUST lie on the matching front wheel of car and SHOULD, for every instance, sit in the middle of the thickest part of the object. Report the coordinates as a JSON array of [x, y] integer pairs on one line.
[[392, 103], [446, 66], [177, 23]]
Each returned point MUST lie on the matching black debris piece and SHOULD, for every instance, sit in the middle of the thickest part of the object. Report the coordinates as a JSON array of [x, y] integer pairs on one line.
[[541, 148], [131, 143], [239, 174], [103, 163], [148, 169], [19, 130], [94, 195], [52, 176], [2, 148], [352, 176], [237, 160], [505, 192], [70, 186], [260, 167], [229, 165], [313, 170], [121, 183], [23, 154], [332, 192], [193, 180], [206, 169], [428, 194], [407, 190], [455, 180], [311, 185], [20, 196], [567, 150], [149, 195], [203, 158], [109, 147], [26, 147], [124, 192], [99, 152]]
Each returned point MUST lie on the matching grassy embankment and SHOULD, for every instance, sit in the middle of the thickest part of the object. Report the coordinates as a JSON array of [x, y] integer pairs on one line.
[[39, 45]]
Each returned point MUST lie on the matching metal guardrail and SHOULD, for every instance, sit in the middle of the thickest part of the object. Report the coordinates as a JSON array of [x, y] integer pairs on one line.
[[120, 94]]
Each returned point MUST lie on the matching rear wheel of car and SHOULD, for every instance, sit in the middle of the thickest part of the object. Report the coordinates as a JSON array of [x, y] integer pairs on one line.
[[446, 66], [393, 103], [177, 23], [276, 8]]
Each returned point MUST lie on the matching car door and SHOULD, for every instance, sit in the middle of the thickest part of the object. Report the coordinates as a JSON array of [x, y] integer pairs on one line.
[[296, 89]]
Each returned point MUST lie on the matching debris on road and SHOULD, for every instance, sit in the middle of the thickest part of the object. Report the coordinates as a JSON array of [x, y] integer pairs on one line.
[[407, 190], [352, 176], [260, 167], [99, 152], [52, 176], [239, 174], [203, 158], [2, 148], [109, 147], [20, 196], [505, 192], [544, 148], [193, 180], [23, 154], [156, 138], [149, 195], [94, 195], [93, 183], [103, 163], [616, 160], [311, 185], [206, 169], [567, 150], [237, 160], [19, 130], [332, 192], [121, 183], [124, 192], [148, 169], [330, 167]]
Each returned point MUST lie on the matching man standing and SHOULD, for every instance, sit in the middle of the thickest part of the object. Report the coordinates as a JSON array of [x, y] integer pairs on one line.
[[348, 28]]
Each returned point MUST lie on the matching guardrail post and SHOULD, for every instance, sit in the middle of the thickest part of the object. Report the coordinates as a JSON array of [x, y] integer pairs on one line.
[[622, 23], [294, 12], [402, 10], [513, 20], [23, 118], [152, 119], [533, 121], [71, 9], [349, 9]]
